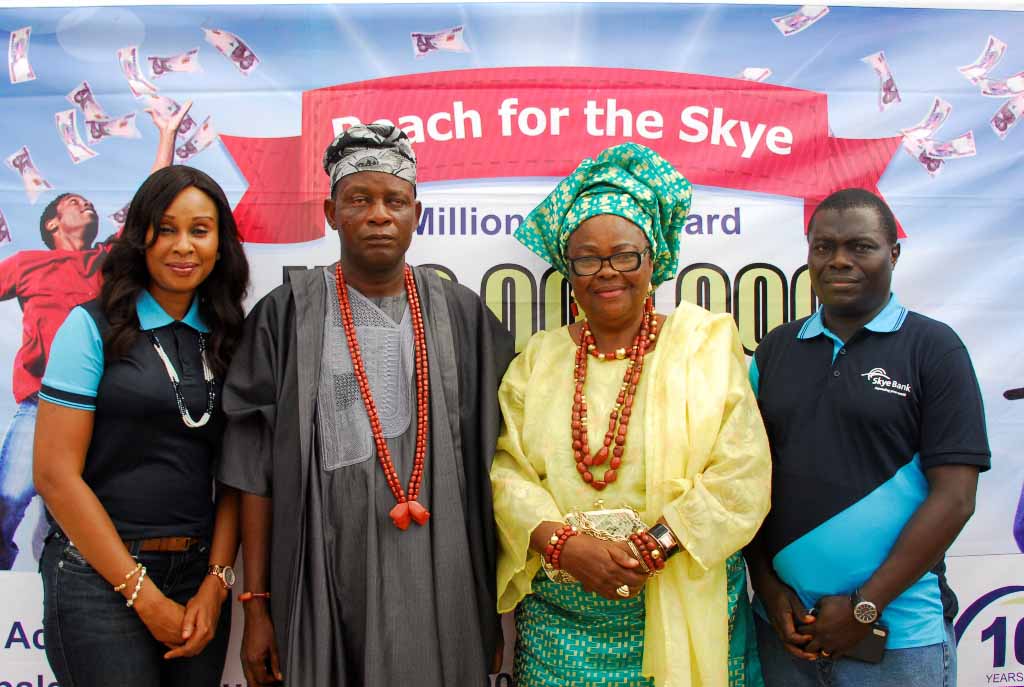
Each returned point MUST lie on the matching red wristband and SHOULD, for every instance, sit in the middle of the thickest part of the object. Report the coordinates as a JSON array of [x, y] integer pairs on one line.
[[249, 596]]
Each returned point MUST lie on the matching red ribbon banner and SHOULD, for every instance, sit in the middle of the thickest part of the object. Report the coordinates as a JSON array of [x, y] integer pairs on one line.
[[541, 121]]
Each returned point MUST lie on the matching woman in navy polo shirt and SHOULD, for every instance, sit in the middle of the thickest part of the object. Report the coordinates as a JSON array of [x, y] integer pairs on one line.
[[136, 570]]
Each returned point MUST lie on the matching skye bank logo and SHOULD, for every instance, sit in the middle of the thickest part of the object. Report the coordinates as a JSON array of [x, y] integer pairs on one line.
[[882, 382]]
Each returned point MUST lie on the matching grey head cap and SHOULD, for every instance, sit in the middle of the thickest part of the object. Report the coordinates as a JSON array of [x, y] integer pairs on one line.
[[377, 147]]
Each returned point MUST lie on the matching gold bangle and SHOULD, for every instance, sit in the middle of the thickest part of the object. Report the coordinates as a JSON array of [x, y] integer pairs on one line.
[[124, 585], [138, 586], [639, 558]]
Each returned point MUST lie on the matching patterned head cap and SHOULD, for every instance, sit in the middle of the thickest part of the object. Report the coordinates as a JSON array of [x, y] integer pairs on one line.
[[628, 180], [377, 147]]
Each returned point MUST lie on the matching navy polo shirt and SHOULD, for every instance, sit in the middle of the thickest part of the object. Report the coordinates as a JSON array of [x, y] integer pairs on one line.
[[153, 475], [853, 426]]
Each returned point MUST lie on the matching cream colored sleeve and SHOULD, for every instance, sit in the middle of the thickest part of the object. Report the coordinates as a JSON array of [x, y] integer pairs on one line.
[[727, 495], [521, 502]]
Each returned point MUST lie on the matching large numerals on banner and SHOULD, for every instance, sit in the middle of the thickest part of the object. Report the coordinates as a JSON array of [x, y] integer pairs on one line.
[[997, 633], [705, 285], [802, 301], [555, 299], [759, 298], [759, 302], [510, 291]]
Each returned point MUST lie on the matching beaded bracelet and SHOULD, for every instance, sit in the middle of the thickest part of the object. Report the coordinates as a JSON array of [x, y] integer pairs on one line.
[[553, 551], [124, 585], [138, 586], [654, 546], [657, 553], [649, 550]]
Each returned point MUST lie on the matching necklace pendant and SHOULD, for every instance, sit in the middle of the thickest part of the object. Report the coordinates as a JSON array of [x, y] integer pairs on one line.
[[403, 514], [400, 515], [418, 512]]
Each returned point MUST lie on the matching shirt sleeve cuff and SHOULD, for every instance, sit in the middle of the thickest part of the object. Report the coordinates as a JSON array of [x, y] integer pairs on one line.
[[979, 459], [67, 399], [75, 364]]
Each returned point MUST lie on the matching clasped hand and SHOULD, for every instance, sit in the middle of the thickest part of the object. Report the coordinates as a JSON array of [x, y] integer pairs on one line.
[[602, 566], [835, 630], [830, 633], [185, 630]]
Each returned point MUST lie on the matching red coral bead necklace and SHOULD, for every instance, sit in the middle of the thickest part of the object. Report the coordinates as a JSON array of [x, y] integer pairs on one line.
[[618, 421], [408, 507]]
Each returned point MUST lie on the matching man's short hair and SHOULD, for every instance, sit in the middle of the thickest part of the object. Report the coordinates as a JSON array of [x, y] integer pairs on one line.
[[850, 198], [49, 212], [52, 210]]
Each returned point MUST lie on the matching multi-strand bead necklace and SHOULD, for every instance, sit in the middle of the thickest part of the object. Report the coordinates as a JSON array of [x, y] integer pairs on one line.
[[618, 422], [408, 507], [211, 388]]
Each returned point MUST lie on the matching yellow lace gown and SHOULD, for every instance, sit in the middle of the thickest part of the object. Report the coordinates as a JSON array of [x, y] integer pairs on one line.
[[696, 453]]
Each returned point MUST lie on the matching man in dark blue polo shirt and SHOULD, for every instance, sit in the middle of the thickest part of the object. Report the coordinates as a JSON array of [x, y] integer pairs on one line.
[[878, 434]]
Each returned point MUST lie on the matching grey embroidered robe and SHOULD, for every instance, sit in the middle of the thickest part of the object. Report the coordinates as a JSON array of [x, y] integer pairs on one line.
[[271, 449]]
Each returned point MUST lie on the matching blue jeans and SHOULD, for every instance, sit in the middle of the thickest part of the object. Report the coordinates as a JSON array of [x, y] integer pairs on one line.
[[94, 640], [16, 489], [925, 666]]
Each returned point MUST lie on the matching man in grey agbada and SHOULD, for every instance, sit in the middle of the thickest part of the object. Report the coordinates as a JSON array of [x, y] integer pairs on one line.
[[362, 418]]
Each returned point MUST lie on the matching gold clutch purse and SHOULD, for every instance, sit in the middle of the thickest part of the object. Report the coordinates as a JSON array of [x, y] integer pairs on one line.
[[608, 524]]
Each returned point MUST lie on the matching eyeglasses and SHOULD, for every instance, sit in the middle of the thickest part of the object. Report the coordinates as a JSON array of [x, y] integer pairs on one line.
[[626, 261]]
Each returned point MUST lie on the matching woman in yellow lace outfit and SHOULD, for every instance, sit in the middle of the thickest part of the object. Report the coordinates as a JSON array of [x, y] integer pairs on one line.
[[648, 412]]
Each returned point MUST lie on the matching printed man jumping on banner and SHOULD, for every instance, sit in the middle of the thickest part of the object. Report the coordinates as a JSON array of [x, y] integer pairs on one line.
[[48, 284]]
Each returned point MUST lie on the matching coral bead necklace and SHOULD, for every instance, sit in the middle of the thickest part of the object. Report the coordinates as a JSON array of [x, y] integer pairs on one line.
[[618, 421], [408, 507]]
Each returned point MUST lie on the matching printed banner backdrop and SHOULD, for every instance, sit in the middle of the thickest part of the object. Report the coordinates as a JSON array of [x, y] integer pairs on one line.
[[766, 109]]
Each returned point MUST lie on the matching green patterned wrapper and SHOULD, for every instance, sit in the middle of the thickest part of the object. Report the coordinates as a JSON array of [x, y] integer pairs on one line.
[[567, 636]]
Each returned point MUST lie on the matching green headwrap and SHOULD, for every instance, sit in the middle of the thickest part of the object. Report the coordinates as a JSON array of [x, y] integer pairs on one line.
[[628, 180]]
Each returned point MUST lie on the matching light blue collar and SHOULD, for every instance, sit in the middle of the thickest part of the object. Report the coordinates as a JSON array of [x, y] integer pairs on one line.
[[152, 316], [889, 319]]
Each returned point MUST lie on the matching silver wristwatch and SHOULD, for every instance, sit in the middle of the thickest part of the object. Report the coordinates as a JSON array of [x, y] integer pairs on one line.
[[863, 610]]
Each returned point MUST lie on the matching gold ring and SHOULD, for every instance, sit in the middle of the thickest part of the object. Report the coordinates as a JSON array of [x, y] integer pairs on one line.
[[826, 654], [623, 591]]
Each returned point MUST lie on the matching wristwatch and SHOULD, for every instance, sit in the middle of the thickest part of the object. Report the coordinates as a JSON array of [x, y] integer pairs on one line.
[[225, 572], [863, 610], [663, 535]]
